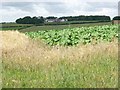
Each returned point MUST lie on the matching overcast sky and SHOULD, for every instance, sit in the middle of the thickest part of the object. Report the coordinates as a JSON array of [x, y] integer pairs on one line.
[[10, 10]]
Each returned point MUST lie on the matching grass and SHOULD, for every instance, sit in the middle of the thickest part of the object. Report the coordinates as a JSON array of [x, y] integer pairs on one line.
[[99, 73], [41, 66]]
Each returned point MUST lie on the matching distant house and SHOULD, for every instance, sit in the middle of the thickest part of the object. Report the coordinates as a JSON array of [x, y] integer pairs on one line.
[[63, 20], [56, 20], [50, 20]]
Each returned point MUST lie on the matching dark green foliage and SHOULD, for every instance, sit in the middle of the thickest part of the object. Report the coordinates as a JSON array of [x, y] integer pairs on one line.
[[51, 17], [29, 20], [87, 18], [39, 20], [116, 18]]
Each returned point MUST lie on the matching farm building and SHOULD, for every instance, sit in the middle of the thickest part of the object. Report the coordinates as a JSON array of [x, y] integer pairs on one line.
[[50, 20], [63, 20], [116, 20]]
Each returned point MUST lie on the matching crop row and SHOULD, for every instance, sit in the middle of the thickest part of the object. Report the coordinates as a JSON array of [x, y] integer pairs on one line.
[[74, 36]]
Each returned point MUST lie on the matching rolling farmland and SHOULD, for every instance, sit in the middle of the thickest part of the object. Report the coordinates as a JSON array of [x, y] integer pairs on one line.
[[78, 57], [64, 44]]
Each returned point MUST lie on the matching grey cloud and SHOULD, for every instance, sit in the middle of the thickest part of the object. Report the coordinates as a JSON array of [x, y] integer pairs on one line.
[[90, 8], [59, 7], [111, 5], [98, 6], [56, 7], [52, 7], [25, 6]]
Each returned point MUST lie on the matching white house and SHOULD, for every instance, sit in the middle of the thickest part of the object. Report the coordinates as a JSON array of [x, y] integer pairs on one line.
[[50, 20], [63, 20], [56, 20]]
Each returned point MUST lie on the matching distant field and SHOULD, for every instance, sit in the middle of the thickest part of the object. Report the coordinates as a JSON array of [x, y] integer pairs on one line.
[[14, 26], [30, 27], [58, 27], [73, 22]]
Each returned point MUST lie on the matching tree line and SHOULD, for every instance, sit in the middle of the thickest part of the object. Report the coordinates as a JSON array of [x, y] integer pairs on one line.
[[116, 18], [87, 18], [41, 19], [30, 20]]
